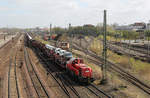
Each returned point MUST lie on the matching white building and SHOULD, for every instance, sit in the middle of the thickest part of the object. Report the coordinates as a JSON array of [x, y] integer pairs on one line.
[[138, 26], [148, 26], [127, 28]]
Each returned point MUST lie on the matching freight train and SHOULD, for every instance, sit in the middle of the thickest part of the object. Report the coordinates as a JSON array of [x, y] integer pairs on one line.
[[63, 58]]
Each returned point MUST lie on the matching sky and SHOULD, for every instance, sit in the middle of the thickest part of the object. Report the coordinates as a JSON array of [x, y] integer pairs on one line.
[[33, 13]]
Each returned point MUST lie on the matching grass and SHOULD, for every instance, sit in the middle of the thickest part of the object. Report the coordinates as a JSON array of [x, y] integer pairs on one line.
[[110, 38], [86, 37], [41, 40], [141, 67], [96, 46], [115, 81]]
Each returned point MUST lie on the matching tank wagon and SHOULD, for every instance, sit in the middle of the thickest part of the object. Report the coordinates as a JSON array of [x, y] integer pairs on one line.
[[63, 58]]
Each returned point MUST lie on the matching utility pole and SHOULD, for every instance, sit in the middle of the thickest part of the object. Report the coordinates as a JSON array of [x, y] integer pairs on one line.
[[148, 45], [70, 36], [104, 67], [50, 31], [148, 33]]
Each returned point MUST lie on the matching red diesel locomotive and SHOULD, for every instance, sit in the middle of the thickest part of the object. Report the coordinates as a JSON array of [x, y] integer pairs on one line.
[[77, 68]]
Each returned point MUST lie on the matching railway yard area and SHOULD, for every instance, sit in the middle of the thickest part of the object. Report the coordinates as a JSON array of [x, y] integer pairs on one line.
[[26, 71], [74, 49]]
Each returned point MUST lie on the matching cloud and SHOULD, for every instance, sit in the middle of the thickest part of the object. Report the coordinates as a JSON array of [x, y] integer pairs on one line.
[[30, 13]]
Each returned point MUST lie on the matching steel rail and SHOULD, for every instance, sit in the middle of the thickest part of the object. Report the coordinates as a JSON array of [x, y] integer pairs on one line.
[[37, 75]]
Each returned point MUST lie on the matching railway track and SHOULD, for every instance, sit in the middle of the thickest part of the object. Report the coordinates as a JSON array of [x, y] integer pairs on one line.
[[137, 53], [125, 75], [37, 84], [97, 92], [69, 84], [13, 90], [134, 48], [13, 87], [5, 44], [59, 78], [93, 89]]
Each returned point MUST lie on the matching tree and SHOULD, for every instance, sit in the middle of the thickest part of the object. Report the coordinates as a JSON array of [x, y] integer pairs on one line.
[[147, 33], [59, 30]]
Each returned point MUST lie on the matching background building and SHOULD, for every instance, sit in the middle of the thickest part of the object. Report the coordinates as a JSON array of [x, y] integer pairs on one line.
[[138, 27], [148, 26]]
